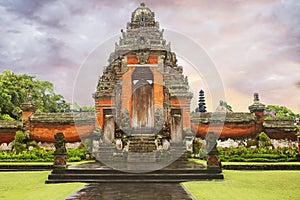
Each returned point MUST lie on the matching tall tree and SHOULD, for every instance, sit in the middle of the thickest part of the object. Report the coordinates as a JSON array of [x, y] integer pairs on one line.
[[201, 102], [15, 87]]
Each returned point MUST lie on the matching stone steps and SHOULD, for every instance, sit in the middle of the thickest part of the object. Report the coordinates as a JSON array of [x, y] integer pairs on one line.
[[114, 176], [142, 144]]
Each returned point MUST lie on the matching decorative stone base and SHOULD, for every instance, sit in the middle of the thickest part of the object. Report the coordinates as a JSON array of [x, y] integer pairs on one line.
[[141, 157], [60, 161], [105, 152], [213, 162]]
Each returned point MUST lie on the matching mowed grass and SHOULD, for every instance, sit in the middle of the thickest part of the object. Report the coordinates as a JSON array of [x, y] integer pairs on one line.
[[31, 185], [252, 185]]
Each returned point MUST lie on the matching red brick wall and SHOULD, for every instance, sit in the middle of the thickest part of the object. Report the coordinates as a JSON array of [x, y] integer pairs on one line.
[[230, 130], [7, 135], [45, 132]]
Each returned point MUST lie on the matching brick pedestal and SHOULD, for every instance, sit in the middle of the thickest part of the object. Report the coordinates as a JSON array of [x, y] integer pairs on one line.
[[60, 161]]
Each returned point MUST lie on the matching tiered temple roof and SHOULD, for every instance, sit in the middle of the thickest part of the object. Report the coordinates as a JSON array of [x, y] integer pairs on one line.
[[141, 37]]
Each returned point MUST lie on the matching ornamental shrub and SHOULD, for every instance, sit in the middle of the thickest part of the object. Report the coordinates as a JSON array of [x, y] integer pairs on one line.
[[263, 139], [18, 145], [262, 154]]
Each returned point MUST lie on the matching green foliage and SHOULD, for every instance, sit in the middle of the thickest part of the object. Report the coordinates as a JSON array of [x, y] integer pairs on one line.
[[252, 142], [19, 145], [40, 155], [5, 117], [224, 103], [244, 154], [196, 145], [19, 137], [15, 87], [297, 129], [77, 108], [282, 112], [77, 154], [228, 106], [263, 139]]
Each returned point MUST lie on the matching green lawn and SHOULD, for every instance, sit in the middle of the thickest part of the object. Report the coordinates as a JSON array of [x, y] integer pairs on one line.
[[31, 185], [252, 185]]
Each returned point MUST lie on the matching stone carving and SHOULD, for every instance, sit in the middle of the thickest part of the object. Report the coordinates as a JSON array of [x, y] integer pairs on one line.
[[142, 57], [126, 119], [158, 119], [166, 144], [60, 153], [60, 143], [212, 155], [119, 144], [256, 106]]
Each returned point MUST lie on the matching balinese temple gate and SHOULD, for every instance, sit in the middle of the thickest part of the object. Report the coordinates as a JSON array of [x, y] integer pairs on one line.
[[142, 95]]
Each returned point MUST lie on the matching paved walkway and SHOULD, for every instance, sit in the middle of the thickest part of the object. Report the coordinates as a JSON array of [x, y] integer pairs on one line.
[[132, 191]]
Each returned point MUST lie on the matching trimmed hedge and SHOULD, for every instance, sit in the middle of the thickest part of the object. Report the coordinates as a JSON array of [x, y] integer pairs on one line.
[[41, 155], [261, 167], [244, 154]]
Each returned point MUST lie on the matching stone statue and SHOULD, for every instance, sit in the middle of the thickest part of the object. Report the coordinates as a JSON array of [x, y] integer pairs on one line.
[[126, 118], [60, 153], [211, 140], [60, 143]]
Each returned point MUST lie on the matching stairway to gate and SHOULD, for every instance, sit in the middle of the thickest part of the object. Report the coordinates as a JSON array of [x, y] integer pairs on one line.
[[142, 150]]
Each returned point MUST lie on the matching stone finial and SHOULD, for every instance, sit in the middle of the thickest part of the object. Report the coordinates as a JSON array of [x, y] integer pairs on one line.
[[29, 97], [28, 105], [143, 4], [256, 98], [256, 106]]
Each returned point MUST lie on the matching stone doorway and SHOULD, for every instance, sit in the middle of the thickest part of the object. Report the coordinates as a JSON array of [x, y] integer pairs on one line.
[[142, 98]]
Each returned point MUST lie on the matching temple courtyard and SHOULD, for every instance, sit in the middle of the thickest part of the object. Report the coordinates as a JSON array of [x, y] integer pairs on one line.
[[236, 185]]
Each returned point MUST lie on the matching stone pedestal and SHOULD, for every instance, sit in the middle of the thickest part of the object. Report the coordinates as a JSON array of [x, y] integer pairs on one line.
[[60, 161], [298, 139], [212, 155]]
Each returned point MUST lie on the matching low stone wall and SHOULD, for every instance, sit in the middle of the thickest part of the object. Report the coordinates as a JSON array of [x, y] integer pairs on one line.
[[8, 129], [236, 125], [280, 129], [43, 126]]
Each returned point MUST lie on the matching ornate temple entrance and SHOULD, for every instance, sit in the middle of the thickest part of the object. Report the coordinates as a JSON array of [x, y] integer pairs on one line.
[[142, 104], [142, 98]]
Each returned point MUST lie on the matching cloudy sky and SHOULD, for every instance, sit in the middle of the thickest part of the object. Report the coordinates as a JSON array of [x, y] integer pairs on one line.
[[255, 45]]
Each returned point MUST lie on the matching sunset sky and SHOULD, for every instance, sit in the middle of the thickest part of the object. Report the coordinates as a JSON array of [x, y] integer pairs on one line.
[[254, 44]]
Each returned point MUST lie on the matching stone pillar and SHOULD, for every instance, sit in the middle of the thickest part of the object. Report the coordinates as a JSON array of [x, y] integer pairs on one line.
[[258, 109], [60, 153], [298, 155], [28, 108], [212, 151], [297, 129]]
